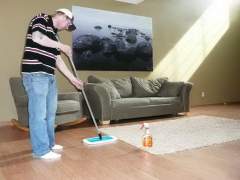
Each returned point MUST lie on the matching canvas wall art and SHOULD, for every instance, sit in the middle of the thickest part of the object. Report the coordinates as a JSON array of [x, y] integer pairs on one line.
[[106, 40]]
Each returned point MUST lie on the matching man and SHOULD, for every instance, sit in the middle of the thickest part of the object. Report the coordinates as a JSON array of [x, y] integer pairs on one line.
[[41, 57]]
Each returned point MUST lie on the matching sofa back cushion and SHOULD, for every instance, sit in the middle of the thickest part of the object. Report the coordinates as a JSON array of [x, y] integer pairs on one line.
[[94, 79], [170, 89], [111, 89], [122, 85], [146, 88]]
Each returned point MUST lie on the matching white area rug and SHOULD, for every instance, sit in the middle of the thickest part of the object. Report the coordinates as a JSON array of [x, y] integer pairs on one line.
[[180, 134]]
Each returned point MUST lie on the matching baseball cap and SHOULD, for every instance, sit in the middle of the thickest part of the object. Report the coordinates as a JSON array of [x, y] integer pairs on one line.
[[69, 14]]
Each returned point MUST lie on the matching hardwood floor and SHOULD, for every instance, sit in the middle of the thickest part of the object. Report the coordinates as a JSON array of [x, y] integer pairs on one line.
[[119, 160]]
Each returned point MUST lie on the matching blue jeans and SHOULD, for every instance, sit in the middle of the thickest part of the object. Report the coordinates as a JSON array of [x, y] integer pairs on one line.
[[42, 106]]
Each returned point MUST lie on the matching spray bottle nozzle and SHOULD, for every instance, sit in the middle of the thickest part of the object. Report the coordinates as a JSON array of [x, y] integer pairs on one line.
[[144, 125]]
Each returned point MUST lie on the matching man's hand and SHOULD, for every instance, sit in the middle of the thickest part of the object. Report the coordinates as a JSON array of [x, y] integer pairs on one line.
[[66, 49], [77, 83]]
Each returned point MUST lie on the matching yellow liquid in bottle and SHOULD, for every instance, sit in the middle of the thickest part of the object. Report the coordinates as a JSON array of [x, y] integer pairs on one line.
[[147, 141]]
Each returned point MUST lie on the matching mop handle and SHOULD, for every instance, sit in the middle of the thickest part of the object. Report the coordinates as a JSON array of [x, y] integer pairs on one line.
[[86, 99]]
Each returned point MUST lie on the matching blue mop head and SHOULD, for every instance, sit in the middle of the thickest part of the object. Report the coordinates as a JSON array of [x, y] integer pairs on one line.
[[97, 140]]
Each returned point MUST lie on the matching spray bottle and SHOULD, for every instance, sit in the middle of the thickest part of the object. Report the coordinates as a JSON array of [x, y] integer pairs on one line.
[[147, 137]]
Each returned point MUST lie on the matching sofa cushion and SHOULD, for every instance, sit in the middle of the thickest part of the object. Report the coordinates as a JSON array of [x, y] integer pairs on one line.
[[131, 102], [170, 89], [67, 106], [146, 88], [164, 100], [111, 89], [123, 86]]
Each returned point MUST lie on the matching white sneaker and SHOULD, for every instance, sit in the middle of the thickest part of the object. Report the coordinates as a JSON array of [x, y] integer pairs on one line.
[[51, 156], [57, 147]]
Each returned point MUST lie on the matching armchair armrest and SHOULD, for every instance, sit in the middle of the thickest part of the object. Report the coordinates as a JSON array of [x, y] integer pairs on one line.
[[21, 100], [185, 95], [100, 100]]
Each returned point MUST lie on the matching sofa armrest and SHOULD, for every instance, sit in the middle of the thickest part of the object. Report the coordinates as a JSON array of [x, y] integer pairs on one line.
[[185, 95], [99, 99], [69, 96]]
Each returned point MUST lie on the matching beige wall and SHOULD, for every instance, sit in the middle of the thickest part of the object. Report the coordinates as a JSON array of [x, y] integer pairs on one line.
[[174, 22]]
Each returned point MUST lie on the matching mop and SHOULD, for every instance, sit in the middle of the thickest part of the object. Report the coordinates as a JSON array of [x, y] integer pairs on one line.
[[100, 139]]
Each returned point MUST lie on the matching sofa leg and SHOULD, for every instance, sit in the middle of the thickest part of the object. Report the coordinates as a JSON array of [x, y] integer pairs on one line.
[[105, 122], [17, 125], [182, 114]]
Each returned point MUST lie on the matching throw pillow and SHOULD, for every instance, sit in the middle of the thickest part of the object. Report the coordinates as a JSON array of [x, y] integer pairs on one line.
[[170, 89], [146, 88], [123, 86]]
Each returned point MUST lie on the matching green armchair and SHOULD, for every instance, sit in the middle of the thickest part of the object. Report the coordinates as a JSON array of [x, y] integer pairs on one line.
[[69, 108]]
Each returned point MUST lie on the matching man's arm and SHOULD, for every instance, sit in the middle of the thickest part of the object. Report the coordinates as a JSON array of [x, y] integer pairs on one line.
[[63, 68], [43, 40]]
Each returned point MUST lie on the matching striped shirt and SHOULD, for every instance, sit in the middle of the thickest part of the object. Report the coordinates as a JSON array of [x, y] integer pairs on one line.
[[38, 58]]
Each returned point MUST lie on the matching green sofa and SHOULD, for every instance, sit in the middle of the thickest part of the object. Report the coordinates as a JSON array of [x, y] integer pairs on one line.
[[133, 97]]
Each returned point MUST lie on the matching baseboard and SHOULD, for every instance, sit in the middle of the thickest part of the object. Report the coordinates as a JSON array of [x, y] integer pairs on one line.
[[217, 104]]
